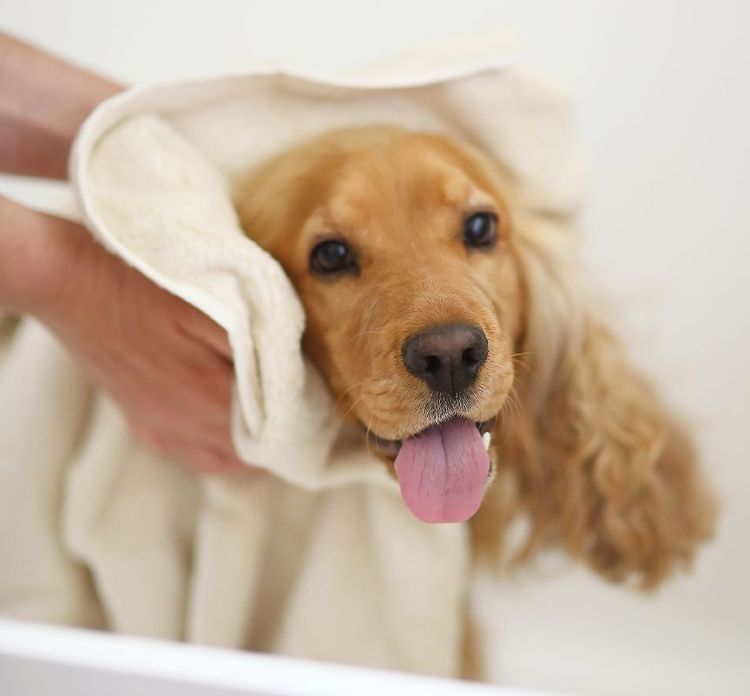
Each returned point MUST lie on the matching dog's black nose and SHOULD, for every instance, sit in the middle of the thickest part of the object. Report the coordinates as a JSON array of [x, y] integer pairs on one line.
[[447, 357]]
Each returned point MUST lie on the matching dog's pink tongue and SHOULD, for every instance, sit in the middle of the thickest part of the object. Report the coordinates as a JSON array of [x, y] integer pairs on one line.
[[443, 471]]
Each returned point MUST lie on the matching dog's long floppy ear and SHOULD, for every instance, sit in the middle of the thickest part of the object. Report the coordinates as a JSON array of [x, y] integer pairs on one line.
[[602, 468]]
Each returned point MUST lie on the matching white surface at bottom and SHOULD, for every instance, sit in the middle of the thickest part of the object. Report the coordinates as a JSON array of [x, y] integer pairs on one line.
[[39, 660]]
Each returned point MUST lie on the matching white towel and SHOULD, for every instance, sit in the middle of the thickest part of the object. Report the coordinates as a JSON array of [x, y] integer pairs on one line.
[[320, 558]]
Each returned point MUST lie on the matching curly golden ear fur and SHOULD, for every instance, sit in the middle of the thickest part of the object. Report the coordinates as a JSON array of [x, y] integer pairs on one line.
[[599, 465]]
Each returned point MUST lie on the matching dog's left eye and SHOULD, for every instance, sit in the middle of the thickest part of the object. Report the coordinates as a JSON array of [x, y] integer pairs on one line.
[[480, 230]]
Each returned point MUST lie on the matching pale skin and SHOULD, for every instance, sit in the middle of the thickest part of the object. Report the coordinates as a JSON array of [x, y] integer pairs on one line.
[[167, 365]]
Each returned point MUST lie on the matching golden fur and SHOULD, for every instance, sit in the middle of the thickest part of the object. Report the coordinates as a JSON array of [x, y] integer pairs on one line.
[[583, 446]]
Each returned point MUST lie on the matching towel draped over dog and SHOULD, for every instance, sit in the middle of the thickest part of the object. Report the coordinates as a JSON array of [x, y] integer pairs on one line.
[[320, 557]]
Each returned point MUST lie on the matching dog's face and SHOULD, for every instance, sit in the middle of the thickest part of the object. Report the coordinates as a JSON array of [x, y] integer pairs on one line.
[[422, 299], [401, 249]]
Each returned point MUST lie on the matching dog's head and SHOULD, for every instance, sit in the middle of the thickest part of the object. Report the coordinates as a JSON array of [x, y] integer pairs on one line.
[[401, 248], [439, 301]]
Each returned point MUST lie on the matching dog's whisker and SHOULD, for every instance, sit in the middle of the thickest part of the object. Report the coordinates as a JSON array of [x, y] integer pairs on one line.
[[360, 385], [350, 409], [374, 332], [367, 436], [512, 403]]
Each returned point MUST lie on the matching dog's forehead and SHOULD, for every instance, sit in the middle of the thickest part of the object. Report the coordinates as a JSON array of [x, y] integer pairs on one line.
[[396, 184]]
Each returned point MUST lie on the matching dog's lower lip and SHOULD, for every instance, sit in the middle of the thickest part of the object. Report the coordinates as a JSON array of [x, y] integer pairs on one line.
[[387, 447], [391, 447]]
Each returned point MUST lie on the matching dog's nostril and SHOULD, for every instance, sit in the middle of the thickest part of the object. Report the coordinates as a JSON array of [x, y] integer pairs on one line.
[[432, 364], [470, 358]]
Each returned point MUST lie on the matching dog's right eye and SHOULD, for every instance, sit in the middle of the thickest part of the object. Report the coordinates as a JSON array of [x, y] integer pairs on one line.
[[332, 256], [480, 229]]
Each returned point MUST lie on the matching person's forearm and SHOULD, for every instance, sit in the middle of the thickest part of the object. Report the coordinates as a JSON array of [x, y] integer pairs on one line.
[[38, 259], [43, 101]]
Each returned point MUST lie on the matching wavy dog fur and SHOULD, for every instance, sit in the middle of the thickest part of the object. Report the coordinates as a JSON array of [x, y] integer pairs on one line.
[[583, 447], [591, 454]]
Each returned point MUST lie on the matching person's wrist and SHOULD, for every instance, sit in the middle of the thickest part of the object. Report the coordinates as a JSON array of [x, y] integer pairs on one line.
[[72, 260], [44, 257]]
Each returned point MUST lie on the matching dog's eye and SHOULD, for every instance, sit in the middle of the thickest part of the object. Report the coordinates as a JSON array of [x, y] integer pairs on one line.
[[480, 230], [332, 256]]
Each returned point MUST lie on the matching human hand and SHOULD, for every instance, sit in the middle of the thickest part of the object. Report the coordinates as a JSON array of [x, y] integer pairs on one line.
[[165, 363]]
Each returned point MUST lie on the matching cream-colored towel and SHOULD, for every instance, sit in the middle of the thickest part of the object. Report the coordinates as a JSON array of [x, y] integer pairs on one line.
[[320, 558]]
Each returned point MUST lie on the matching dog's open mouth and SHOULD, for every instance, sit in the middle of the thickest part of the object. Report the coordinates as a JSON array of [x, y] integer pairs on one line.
[[443, 470]]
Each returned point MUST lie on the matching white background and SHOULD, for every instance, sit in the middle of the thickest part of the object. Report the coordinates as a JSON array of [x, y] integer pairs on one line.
[[663, 104]]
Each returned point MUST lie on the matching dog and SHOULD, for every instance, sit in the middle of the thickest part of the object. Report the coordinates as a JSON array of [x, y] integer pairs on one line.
[[449, 318]]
